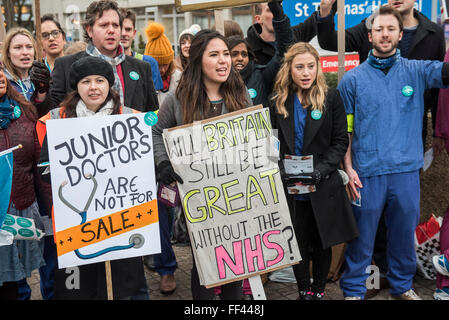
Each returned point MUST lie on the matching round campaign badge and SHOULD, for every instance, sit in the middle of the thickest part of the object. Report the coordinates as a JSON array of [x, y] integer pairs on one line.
[[316, 114], [407, 91], [150, 118], [252, 93], [134, 75], [17, 112]]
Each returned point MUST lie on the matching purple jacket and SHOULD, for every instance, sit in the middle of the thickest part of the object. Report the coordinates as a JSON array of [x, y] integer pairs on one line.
[[26, 183], [442, 119]]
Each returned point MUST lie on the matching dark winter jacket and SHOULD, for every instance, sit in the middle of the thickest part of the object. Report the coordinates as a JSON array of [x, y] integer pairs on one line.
[[327, 140], [259, 79], [27, 186], [264, 51]]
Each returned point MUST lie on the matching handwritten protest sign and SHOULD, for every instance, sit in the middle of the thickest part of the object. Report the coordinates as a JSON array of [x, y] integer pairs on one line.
[[232, 196], [104, 188]]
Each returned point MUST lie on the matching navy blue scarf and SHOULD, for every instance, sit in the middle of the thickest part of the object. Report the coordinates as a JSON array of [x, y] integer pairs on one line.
[[9, 110], [383, 63]]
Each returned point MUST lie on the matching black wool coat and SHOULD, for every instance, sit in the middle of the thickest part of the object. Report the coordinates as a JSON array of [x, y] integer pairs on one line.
[[327, 140], [265, 51], [260, 78]]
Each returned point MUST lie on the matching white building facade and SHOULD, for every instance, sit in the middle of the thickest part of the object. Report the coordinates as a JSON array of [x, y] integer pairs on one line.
[[71, 13]]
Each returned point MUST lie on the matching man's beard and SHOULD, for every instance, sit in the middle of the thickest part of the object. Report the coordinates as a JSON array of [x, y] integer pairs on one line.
[[383, 51]]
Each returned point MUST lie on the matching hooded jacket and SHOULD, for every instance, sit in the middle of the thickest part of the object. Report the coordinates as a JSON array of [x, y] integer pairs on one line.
[[264, 51], [259, 79]]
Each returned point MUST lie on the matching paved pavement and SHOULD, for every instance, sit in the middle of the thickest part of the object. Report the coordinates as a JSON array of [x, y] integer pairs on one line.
[[273, 290]]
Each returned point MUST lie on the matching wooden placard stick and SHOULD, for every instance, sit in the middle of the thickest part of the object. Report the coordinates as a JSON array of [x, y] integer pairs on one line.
[[2, 30], [257, 288], [341, 38], [219, 20], [107, 265], [37, 26]]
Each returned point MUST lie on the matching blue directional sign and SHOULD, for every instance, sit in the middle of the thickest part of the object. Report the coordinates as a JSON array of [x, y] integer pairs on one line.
[[355, 10]]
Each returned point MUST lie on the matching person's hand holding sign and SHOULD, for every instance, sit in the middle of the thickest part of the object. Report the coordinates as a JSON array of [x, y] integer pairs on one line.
[[166, 173]]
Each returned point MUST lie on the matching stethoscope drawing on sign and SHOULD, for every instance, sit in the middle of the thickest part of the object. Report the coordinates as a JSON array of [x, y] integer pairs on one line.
[[136, 240]]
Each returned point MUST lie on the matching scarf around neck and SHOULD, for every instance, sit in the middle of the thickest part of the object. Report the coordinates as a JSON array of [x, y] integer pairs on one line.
[[114, 62], [9, 110], [383, 63], [83, 111]]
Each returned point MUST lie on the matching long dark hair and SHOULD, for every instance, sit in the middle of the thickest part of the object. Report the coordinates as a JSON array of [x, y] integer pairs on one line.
[[72, 99], [191, 91]]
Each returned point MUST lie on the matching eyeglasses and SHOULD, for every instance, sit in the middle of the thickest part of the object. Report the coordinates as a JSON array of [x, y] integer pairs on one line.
[[55, 34]]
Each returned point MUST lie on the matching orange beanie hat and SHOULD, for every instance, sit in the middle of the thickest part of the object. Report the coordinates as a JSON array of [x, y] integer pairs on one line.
[[158, 45]]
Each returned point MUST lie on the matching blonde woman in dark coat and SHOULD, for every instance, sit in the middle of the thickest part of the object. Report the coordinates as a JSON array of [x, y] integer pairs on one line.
[[311, 120]]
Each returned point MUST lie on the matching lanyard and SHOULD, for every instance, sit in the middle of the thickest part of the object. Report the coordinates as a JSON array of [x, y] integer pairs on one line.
[[47, 64], [24, 89]]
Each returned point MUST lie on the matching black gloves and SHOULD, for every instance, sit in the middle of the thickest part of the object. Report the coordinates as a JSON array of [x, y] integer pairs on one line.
[[166, 173], [311, 178], [276, 9], [40, 76]]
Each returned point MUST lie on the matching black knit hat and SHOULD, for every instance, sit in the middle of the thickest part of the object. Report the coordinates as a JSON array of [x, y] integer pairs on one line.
[[89, 66]]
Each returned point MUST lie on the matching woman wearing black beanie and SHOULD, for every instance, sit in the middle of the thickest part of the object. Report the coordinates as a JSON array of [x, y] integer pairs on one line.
[[91, 79]]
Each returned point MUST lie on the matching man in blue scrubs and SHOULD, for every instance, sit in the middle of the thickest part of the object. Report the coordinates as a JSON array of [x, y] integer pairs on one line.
[[384, 103]]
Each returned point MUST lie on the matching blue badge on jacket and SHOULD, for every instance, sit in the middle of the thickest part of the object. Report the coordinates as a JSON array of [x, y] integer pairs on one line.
[[252, 93], [17, 112], [134, 75], [407, 91], [150, 118], [316, 114]]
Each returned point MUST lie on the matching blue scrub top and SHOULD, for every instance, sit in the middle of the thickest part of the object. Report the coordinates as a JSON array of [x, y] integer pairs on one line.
[[300, 115], [300, 123], [388, 114]]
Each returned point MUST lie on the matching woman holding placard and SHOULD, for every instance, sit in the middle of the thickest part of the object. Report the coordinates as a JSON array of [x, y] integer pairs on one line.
[[91, 79], [209, 87], [17, 121], [311, 120]]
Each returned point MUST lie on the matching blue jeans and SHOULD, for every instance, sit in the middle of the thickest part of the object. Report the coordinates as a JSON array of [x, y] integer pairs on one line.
[[397, 195], [46, 273], [165, 262]]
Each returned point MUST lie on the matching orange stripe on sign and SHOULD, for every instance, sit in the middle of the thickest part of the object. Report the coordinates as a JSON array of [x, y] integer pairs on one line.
[[106, 227]]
